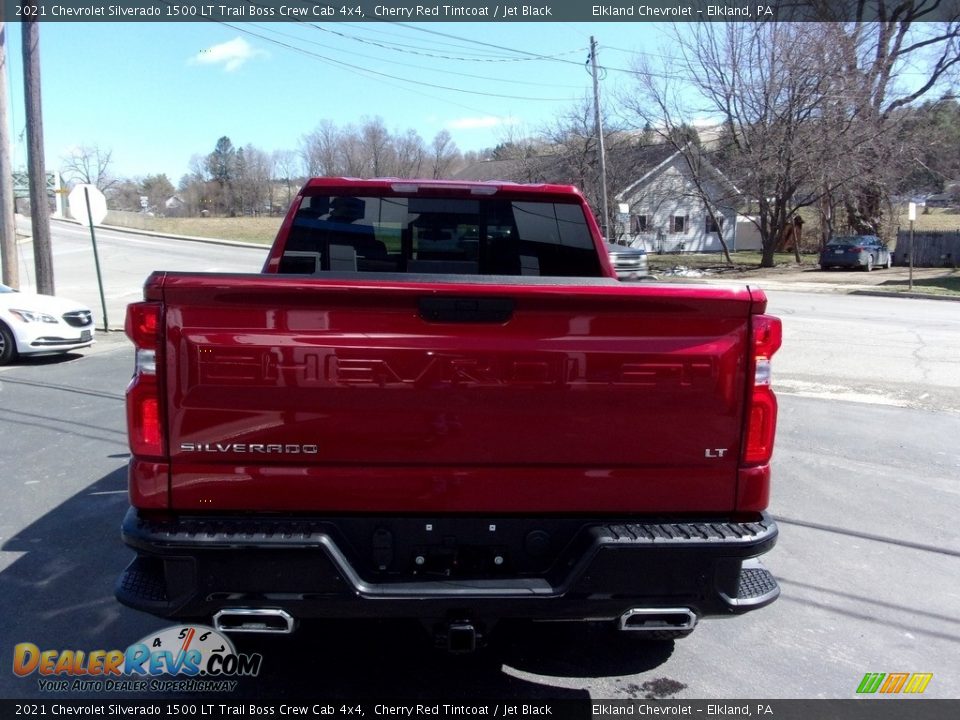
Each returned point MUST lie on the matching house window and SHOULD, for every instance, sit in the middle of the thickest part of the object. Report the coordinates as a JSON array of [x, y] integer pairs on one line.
[[714, 227], [638, 224], [679, 223]]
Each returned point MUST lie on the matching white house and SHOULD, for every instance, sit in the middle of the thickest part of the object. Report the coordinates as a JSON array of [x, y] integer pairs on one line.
[[667, 211]]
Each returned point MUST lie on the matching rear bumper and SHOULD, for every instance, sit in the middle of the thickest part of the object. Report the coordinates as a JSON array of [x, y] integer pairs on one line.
[[543, 568], [848, 261], [39, 344]]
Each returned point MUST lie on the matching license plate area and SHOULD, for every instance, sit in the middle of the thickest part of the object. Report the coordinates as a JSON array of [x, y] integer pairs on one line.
[[85, 335]]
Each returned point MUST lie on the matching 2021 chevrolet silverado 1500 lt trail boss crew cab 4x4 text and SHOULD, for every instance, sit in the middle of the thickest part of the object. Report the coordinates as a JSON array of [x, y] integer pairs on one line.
[[437, 402]]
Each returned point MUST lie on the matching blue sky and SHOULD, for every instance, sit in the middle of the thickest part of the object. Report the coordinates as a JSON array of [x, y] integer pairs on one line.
[[158, 93]]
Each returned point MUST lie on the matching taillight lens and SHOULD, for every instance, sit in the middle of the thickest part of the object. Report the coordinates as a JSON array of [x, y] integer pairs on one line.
[[767, 335], [144, 429], [144, 416], [142, 325], [761, 422]]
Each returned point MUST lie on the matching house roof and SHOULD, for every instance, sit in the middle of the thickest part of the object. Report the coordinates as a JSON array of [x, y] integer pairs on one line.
[[486, 170], [666, 160], [555, 168]]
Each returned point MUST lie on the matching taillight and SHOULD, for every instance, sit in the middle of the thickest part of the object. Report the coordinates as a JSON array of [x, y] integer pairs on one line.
[[857, 249], [761, 422], [142, 324], [144, 416]]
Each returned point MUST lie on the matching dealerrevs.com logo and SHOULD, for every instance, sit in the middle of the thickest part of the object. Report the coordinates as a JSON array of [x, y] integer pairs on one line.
[[894, 683], [182, 658]]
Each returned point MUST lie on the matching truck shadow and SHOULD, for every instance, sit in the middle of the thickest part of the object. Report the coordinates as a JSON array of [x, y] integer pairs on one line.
[[58, 594], [395, 659]]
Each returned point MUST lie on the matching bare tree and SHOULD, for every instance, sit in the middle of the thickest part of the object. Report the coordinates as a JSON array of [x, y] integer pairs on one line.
[[526, 149], [570, 141], [252, 182], [767, 84], [410, 154], [443, 154], [886, 39], [197, 189], [571, 136], [124, 195], [372, 151], [352, 155], [379, 147], [89, 164], [286, 169], [319, 150]]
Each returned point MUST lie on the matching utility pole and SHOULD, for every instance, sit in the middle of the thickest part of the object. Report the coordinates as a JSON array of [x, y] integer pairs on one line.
[[8, 223], [605, 211], [39, 209]]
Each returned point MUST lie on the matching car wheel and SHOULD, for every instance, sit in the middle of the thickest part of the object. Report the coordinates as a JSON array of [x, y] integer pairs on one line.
[[869, 265], [8, 346]]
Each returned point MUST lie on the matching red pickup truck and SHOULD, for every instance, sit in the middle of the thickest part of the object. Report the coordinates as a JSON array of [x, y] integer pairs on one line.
[[437, 402]]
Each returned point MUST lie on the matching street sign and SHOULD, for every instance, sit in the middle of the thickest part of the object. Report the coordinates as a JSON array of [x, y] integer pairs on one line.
[[912, 211], [78, 205]]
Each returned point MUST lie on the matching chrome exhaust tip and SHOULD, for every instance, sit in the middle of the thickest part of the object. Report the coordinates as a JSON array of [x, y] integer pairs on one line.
[[654, 619], [254, 620]]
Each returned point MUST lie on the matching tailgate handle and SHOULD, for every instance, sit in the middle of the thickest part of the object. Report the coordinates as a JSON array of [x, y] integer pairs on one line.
[[466, 309]]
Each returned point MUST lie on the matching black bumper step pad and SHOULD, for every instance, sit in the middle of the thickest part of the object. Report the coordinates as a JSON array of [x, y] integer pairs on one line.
[[693, 532], [755, 582], [293, 532]]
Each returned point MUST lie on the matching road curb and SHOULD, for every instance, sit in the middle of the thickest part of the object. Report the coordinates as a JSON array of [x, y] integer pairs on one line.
[[912, 295]]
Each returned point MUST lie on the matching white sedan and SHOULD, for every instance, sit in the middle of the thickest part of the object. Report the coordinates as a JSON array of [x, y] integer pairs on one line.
[[41, 325]]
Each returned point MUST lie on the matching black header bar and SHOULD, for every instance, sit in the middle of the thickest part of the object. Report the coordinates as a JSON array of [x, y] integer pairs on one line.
[[216, 707], [476, 10]]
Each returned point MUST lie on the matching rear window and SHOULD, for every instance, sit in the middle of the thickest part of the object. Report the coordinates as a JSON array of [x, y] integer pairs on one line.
[[440, 235], [855, 240]]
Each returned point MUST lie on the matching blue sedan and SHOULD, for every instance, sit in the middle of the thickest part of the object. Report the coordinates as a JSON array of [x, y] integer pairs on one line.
[[856, 251]]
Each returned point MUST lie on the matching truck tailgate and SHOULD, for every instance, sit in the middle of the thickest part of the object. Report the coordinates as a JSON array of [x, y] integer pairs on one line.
[[306, 395]]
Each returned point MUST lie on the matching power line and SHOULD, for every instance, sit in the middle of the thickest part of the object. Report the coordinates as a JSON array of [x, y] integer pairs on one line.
[[406, 38], [397, 47], [357, 68], [421, 67], [482, 111], [531, 55]]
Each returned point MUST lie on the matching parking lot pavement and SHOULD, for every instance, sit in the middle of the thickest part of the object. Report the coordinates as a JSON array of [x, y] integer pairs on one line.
[[868, 559]]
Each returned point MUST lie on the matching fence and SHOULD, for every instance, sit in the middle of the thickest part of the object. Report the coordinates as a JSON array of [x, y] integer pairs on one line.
[[930, 249]]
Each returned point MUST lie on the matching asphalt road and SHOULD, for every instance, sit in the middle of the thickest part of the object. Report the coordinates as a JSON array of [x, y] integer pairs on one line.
[[887, 351], [865, 489]]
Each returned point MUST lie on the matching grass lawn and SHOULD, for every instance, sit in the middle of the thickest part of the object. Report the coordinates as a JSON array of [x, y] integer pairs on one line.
[[246, 229], [937, 219], [948, 285]]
